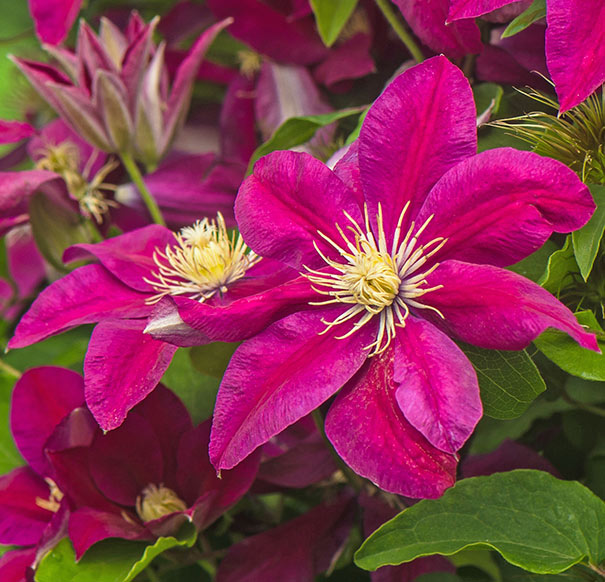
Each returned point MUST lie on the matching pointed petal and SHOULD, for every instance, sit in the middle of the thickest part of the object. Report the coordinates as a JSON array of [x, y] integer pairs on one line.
[[121, 367], [180, 95], [22, 520], [279, 376], [112, 101], [285, 202], [438, 391], [412, 135], [124, 461], [87, 526], [238, 133], [128, 256], [12, 131], [369, 431], [473, 8], [494, 308], [86, 295], [500, 206], [428, 21], [41, 398], [575, 51]]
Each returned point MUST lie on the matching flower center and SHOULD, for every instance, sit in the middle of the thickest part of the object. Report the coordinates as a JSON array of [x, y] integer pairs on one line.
[[53, 503], [204, 261], [156, 501], [250, 63], [374, 279]]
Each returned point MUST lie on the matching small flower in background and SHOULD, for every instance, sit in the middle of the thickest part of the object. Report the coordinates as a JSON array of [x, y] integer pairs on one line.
[[403, 246], [114, 90]]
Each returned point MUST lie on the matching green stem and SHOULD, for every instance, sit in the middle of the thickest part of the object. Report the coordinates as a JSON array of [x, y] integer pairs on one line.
[[587, 407], [137, 178], [9, 369], [353, 478], [29, 32], [398, 27]]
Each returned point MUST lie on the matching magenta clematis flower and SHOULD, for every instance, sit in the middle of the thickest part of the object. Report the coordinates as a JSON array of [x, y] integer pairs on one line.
[[53, 18], [113, 89], [203, 271], [575, 51], [402, 245]]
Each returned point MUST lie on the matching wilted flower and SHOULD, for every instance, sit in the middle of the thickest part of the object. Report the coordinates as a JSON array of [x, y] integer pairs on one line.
[[114, 91], [402, 245]]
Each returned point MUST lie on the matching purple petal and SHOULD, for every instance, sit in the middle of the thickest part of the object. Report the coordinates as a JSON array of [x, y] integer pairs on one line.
[[238, 135], [295, 551], [428, 21], [180, 95], [22, 520], [508, 456], [53, 18], [279, 376], [121, 367], [88, 526], [473, 8], [270, 32], [575, 51], [12, 131], [413, 134], [438, 391], [500, 206], [42, 397], [17, 187], [25, 263], [15, 565], [128, 256], [86, 295], [285, 202], [197, 477], [124, 461], [369, 431], [493, 308]]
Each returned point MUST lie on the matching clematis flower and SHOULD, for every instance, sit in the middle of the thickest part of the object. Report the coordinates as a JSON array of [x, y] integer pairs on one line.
[[574, 30], [403, 245], [53, 18], [203, 270], [113, 90]]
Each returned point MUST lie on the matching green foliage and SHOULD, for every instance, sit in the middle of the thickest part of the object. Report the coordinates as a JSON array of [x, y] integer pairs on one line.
[[535, 521], [9, 456], [569, 356], [111, 560], [587, 240], [535, 12], [533, 267], [509, 381], [298, 130], [560, 268], [331, 16], [488, 97]]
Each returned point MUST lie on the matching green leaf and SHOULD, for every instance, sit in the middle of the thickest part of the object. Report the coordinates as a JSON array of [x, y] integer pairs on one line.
[[586, 241], [479, 558], [331, 16], [9, 456], [196, 390], [111, 560], [569, 356], [535, 12], [298, 130], [560, 269], [355, 133], [533, 267], [534, 520], [487, 100], [212, 359], [56, 227], [509, 381]]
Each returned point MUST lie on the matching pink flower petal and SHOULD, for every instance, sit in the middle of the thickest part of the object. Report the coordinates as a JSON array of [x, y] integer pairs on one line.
[[53, 18], [285, 202], [15, 565], [121, 367], [473, 8], [12, 131], [575, 48], [279, 376], [438, 391], [412, 135], [493, 308], [506, 204], [369, 431]]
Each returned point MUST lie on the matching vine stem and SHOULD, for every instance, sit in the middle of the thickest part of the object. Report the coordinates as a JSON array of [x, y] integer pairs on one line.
[[400, 30], [353, 479], [137, 178], [9, 369]]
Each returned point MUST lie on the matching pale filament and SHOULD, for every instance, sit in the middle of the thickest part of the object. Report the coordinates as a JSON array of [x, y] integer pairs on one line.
[[204, 261], [376, 280], [53, 503]]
